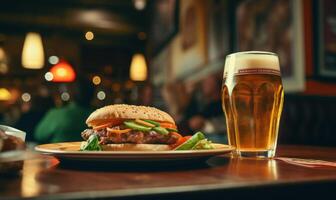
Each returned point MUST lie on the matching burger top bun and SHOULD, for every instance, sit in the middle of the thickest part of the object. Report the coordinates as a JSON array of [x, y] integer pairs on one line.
[[119, 112]]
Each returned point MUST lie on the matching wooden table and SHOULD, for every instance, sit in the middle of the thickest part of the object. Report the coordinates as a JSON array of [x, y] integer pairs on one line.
[[222, 177]]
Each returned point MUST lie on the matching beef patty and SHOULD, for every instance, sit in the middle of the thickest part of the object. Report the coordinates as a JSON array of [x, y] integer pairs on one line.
[[133, 136]]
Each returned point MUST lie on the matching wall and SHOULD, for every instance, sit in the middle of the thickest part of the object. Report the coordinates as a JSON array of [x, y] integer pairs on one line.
[[313, 87], [198, 67]]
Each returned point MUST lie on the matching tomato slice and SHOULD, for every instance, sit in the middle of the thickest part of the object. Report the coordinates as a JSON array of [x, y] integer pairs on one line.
[[187, 137], [180, 141], [176, 134]]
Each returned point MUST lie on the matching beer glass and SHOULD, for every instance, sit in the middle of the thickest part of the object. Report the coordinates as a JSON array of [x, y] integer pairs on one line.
[[252, 99], [226, 105]]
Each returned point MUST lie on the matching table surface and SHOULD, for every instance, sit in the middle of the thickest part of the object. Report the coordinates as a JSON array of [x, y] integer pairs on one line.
[[47, 178]]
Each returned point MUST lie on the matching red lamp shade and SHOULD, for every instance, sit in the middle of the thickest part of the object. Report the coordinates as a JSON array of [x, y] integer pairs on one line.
[[63, 72]]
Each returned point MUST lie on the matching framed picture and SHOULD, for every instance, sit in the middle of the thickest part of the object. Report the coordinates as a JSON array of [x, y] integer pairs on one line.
[[325, 37], [219, 30], [276, 26], [164, 24], [161, 67], [189, 50]]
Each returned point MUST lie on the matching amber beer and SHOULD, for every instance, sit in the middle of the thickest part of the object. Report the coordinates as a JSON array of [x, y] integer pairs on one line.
[[252, 100]]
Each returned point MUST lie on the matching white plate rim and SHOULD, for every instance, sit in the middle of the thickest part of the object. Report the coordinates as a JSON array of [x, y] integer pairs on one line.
[[224, 150]]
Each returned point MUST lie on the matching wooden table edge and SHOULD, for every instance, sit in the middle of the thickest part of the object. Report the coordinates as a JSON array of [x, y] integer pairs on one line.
[[174, 190]]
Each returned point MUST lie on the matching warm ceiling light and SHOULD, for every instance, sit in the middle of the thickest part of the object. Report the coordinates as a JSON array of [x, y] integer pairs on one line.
[[63, 72], [96, 80], [5, 95], [32, 53], [89, 35], [139, 4], [138, 70]]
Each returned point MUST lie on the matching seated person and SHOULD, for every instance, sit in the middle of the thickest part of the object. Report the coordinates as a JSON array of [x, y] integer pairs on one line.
[[65, 123], [205, 113]]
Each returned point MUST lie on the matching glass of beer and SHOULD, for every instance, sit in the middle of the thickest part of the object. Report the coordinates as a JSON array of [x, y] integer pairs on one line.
[[226, 105], [252, 99]]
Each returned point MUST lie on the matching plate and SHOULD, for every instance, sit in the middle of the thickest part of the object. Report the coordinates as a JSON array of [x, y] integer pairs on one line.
[[70, 151]]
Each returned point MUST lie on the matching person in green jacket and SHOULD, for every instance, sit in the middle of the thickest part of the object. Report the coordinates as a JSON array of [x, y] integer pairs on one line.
[[66, 123]]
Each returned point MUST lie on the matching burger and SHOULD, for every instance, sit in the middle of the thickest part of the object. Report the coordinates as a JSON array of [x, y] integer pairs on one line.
[[130, 127], [10, 148], [122, 127]]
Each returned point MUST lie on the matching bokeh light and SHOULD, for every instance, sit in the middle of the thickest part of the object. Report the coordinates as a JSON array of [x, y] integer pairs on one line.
[[89, 35], [96, 80], [65, 96], [53, 60], [48, 76], [101, 95], [26, 97]]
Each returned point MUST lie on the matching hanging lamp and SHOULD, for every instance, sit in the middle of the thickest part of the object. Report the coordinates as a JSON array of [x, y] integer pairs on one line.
[[5, 95], [138, 69], [63, 72], [33, 53]]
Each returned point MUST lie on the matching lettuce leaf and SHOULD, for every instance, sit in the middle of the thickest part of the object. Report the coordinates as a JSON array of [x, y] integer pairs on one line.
[[92, 144], [203, 144]]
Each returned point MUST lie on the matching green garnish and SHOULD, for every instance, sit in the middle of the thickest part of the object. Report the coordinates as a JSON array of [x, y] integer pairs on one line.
[[134, 126], [161, 130], [152, 122], [191, 142], [203, 144], [172, 130], [139, 125], [92, 144]]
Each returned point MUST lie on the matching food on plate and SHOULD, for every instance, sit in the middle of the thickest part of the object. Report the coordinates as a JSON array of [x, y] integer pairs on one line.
[[9, 143], [136, 128]]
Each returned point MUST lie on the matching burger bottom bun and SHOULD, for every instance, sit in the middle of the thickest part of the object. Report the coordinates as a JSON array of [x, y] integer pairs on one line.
[[135, 147]]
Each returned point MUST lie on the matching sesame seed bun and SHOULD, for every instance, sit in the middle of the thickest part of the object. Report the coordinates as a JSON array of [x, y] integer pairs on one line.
[[117, 112]]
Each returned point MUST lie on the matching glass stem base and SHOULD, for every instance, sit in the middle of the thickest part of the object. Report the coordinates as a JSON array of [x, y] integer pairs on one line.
[[257, 154]]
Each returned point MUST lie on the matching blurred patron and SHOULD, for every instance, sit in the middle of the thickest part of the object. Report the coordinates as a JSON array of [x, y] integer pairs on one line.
[[197, 109], [146, 95], [64, 124], [204, 112], [177, 98]]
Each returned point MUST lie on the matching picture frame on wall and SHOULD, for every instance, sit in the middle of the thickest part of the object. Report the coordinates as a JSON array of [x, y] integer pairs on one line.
[[189, 47], [165, 22], [325, 39], [275, 26], [219, 24]]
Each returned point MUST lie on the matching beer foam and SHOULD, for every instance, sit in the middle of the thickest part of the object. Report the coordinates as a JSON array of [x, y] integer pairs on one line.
[[227, 65], [254, 62]]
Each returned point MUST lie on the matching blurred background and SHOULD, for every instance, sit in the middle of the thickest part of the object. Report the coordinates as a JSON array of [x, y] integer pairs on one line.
[[61, 59]]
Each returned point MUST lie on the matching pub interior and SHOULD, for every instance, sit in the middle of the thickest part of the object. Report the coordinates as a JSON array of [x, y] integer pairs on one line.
[[62, 59]]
